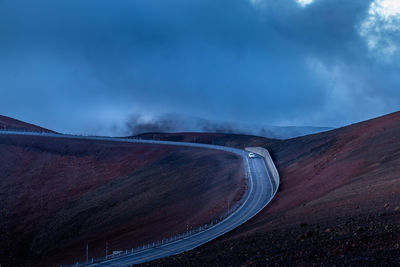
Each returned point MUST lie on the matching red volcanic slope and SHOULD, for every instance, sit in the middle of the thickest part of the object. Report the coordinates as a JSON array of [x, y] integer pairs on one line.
[[338, 203], [59, 194], [10, 124], [354, 166]]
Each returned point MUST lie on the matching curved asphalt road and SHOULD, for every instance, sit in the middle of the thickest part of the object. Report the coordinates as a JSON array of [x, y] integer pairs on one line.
[[259, 194]]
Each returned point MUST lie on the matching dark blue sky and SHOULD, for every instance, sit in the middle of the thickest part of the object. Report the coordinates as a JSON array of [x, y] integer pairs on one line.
[[89, 66]]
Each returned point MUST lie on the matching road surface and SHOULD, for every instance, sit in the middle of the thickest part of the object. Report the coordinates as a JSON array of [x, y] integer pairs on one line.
[[259, 194]]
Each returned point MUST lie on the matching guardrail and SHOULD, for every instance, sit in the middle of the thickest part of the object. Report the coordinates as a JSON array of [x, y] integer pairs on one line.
[[263, 152], [151, 245]]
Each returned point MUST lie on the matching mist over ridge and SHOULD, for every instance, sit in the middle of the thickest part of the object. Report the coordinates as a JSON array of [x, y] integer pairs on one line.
[[175, 123]]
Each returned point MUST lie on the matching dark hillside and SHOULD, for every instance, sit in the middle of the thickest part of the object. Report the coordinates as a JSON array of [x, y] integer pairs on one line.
[[338, 203], [10, 124], [58, 194]]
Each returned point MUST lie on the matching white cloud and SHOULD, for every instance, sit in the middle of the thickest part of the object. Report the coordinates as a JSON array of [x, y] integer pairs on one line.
[[304, 3], [381, 28], [262, 3], [385, 8]]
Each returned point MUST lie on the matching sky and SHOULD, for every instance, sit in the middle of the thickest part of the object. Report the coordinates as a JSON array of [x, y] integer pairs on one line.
[[98, 67]]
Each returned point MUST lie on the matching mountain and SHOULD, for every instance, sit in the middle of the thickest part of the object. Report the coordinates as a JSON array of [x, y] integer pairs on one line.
[[57, 195], [10, 124], [338, 203]]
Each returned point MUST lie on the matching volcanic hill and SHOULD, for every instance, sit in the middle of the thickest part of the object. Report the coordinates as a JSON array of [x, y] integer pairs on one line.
[[57, 195], [10, 124], [338, 203]]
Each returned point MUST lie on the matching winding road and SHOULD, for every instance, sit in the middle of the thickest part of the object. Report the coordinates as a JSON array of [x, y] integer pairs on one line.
[[260, 193]]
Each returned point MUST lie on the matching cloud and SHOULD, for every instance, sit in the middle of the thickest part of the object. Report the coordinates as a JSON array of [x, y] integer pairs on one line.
[[87, 66], [381, 28], [304, 3], [138, 124], [265, 3]]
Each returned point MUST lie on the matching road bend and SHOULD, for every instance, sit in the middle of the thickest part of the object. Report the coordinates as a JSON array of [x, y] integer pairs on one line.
[[258, 195]]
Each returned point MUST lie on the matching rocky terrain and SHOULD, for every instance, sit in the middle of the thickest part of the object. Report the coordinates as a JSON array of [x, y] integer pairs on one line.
[[338, 203], [57, 195]]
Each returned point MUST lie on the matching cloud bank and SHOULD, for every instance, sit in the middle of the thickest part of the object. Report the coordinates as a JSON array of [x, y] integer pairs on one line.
[[138, 124]]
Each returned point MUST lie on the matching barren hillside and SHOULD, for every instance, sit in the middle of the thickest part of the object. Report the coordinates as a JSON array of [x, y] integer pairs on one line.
[[338, 203], [10, 124], [58, 195]]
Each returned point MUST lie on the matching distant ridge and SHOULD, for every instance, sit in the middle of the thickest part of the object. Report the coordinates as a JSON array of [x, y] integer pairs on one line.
[[10, 124]]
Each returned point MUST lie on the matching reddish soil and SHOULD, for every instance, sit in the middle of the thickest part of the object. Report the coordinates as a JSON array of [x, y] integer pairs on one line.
[[10, 124], [57, 195], [338, 204]]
